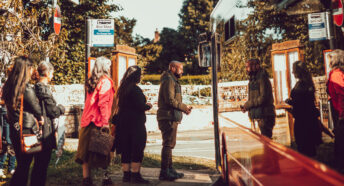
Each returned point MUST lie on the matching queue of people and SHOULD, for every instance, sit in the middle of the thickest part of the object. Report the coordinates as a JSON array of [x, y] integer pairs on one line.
[[31, 110]]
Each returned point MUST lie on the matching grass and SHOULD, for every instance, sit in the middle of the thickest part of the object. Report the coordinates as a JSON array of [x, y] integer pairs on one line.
[[67, 172]]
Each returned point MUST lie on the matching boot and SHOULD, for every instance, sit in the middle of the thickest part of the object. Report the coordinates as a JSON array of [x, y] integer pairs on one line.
[[87, 182], [137, 178], [126, 176], [107, 180], [177, 174], [166, 175]]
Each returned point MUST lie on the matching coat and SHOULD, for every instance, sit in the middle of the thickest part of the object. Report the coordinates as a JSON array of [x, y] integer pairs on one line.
[[260, 101], [131, 119], [32, 110], [306, 125], [170, 105], [52, 111]]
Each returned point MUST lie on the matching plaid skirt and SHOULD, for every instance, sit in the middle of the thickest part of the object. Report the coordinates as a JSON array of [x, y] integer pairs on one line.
[[94, 160]]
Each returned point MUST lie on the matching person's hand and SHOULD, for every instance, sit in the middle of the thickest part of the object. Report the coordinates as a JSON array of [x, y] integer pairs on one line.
[[106, 126], [41, 122], [242, 109], [150, 105], [288, 101], [188, 111]]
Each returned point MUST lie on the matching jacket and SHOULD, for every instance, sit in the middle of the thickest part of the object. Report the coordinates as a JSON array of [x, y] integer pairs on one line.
[[52, 111], [260, 101], [170, 106], [32, 111], [335, 88], [98, 104]]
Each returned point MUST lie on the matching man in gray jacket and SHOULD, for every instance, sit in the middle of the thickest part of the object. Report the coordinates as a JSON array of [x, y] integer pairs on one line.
[[169, 115]]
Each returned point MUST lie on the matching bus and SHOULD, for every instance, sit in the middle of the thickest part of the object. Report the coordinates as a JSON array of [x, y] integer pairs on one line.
[[243, 156]]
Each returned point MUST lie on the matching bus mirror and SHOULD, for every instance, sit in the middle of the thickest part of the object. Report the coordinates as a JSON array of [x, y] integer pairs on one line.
[[204, 54]]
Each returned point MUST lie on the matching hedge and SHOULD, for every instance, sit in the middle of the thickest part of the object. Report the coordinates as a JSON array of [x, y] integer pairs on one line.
[[185, 80]]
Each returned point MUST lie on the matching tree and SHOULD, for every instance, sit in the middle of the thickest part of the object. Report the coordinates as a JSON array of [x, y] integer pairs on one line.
[[148, 52], [194, 19], [24, 31], [264, 26], [173, 48]]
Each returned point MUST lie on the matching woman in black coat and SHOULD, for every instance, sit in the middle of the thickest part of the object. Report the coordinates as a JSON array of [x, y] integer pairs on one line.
[[16, 86], [131, 135], [50, 111], [307, 129]]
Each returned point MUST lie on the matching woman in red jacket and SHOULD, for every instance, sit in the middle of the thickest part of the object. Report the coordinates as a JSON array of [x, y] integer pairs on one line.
[[99, 98], [335, 88]]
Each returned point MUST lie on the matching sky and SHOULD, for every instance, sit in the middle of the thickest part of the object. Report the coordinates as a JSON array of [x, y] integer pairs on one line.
[[151, 14]]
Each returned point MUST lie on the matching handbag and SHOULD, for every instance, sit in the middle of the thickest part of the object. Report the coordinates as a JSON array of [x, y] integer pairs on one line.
[[30, 143], [101, 141]]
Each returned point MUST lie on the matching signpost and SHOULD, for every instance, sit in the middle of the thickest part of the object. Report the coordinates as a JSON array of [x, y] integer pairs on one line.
[[102, 33], [317, 26], [337, 6], [57, 20]]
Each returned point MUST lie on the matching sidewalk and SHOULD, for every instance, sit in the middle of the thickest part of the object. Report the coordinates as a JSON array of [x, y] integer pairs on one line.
[[191, 178]]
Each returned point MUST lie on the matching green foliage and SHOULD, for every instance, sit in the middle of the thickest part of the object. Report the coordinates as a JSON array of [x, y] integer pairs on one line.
[[194, 20], [205, 92], [185, 80], [264, 26], [69, 59]]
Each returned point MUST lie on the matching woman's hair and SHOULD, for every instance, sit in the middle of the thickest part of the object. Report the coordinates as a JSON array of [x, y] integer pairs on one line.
[[337, 59], [130, 78], [17, 79], [101, 68], [44, 67], [303, 74]]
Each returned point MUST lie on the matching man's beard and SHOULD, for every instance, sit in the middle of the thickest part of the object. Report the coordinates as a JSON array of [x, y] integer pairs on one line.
[[178, 76]]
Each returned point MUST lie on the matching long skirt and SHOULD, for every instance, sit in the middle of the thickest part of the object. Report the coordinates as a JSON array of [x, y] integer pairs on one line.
[[94, 160]]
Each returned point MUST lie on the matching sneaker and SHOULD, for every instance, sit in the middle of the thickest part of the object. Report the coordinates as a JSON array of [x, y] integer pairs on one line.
[[2, 175], [177, 174], [166, 175]]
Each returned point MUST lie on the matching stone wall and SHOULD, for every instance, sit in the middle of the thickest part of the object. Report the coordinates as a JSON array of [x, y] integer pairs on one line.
[[231, 95]]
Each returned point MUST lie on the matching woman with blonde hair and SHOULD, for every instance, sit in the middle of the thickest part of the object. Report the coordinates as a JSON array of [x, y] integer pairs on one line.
[[96, 114]]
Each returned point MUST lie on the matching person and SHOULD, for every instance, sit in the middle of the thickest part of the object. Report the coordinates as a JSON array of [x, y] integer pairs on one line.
[[260, 103], [96, 114], [131, 134], [16, 87], [335, 89], [169, 115], [50, 111], [307, 129], [8, 148]]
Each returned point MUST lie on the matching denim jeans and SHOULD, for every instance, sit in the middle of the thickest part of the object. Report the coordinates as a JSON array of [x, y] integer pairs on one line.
[[6, 136]]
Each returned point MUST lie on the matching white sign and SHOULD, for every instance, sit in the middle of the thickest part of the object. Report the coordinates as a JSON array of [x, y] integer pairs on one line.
[[317, 26], [102, 33]]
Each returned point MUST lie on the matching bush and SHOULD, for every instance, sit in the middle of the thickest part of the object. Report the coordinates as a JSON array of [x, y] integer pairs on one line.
[[185, 80], [205, 92]]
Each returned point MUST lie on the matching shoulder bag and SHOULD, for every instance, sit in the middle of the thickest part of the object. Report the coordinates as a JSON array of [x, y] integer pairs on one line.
[[30, 143]]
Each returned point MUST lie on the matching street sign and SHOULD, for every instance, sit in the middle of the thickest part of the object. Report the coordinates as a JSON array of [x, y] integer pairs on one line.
[[338, 12], [102, 33], [57, 20], [317, 26]]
